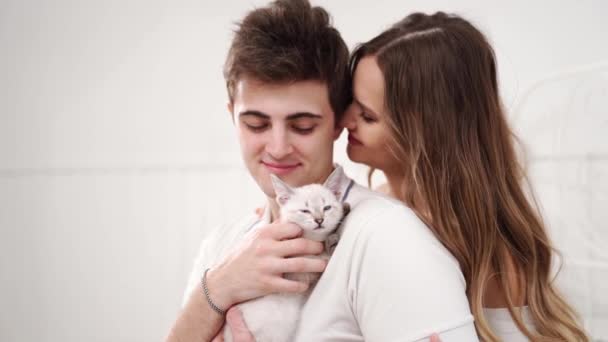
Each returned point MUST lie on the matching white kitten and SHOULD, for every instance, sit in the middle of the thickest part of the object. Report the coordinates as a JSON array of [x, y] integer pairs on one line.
[[317, 209]]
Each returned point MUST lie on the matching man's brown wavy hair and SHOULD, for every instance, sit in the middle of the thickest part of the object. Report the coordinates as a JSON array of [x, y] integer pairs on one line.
[[290, 41]]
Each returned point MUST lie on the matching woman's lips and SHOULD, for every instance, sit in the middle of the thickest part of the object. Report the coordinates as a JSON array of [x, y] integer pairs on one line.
[[353, 141], [281, 169]]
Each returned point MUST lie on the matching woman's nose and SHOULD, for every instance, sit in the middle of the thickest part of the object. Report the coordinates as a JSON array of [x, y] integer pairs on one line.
[[348, 119]]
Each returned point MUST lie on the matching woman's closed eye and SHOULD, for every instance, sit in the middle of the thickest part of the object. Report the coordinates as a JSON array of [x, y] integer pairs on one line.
[[367, 118]]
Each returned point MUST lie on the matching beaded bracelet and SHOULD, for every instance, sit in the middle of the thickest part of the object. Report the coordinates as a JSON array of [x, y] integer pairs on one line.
[[206, 290]]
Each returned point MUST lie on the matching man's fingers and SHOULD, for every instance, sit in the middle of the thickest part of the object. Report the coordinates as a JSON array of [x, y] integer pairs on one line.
[[300, 264], [298, 247], [283, 285], [435, 338], [238, 327], [259, 211], [220, 336], [284, 231]]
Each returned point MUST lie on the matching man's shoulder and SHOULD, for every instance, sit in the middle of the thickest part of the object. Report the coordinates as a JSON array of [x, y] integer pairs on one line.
[[233, 227], [379, 224], [387, 210], [215, 245], [375, 213], [223, 236]]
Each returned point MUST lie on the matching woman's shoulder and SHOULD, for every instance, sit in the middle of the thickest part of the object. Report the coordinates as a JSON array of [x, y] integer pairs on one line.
[[504, 326]]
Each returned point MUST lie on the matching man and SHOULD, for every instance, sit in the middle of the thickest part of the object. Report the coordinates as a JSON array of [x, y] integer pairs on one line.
[[288, 82]]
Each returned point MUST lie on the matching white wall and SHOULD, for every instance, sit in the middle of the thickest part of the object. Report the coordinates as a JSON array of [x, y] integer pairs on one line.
[[117, 154]]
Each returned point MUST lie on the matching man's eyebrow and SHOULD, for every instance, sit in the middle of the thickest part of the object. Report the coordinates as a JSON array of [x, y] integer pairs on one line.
[[300, 115], [290, 117], [254, 113]]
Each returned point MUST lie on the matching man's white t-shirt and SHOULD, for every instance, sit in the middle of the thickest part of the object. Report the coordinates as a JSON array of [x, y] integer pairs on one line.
[[389, 278]]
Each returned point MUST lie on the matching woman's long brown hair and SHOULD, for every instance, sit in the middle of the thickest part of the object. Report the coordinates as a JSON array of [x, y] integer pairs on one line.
[[461, 173]]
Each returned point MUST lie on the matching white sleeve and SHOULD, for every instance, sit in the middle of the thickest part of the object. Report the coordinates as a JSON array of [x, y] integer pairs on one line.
[[213, 248], [196, 273], [404, 284], [504, 326]]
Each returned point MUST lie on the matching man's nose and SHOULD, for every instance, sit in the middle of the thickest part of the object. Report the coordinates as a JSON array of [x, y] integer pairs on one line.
[[279, 145]]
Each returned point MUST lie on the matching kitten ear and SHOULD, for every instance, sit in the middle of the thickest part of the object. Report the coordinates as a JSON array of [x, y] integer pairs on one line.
[[333, 182], [281, 189]]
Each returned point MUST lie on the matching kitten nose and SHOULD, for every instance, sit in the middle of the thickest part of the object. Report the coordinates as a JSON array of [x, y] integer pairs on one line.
[[319, 221]]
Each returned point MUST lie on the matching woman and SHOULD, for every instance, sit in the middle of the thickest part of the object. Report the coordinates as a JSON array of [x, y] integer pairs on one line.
[[427, 113]]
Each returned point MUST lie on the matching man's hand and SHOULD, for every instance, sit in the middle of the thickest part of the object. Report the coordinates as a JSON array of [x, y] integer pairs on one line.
[[255, 267], [237, 326]]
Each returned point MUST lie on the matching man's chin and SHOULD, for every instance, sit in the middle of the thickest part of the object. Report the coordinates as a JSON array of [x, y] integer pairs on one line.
[[296, 178]]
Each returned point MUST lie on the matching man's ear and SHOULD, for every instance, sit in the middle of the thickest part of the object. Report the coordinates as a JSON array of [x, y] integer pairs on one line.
[[337, 132], [230, 107]]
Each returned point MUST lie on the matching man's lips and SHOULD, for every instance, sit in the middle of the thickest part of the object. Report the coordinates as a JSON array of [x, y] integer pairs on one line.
[[353, 141], [280, 169]]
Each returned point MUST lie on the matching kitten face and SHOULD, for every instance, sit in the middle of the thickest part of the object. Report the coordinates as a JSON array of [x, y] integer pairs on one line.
[[313, 207]]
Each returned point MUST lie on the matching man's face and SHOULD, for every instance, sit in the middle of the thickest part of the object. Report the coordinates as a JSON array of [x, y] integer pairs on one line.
[[285, 129]]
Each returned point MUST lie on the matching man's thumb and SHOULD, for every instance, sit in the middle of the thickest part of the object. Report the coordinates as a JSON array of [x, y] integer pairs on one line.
[[240, 332]]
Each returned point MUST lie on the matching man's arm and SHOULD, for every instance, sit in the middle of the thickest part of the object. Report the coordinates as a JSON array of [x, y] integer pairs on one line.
[[197, 321], [253, 269]]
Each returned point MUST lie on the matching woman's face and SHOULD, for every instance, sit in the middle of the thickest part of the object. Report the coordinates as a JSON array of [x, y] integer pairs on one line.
[[366, 118]]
